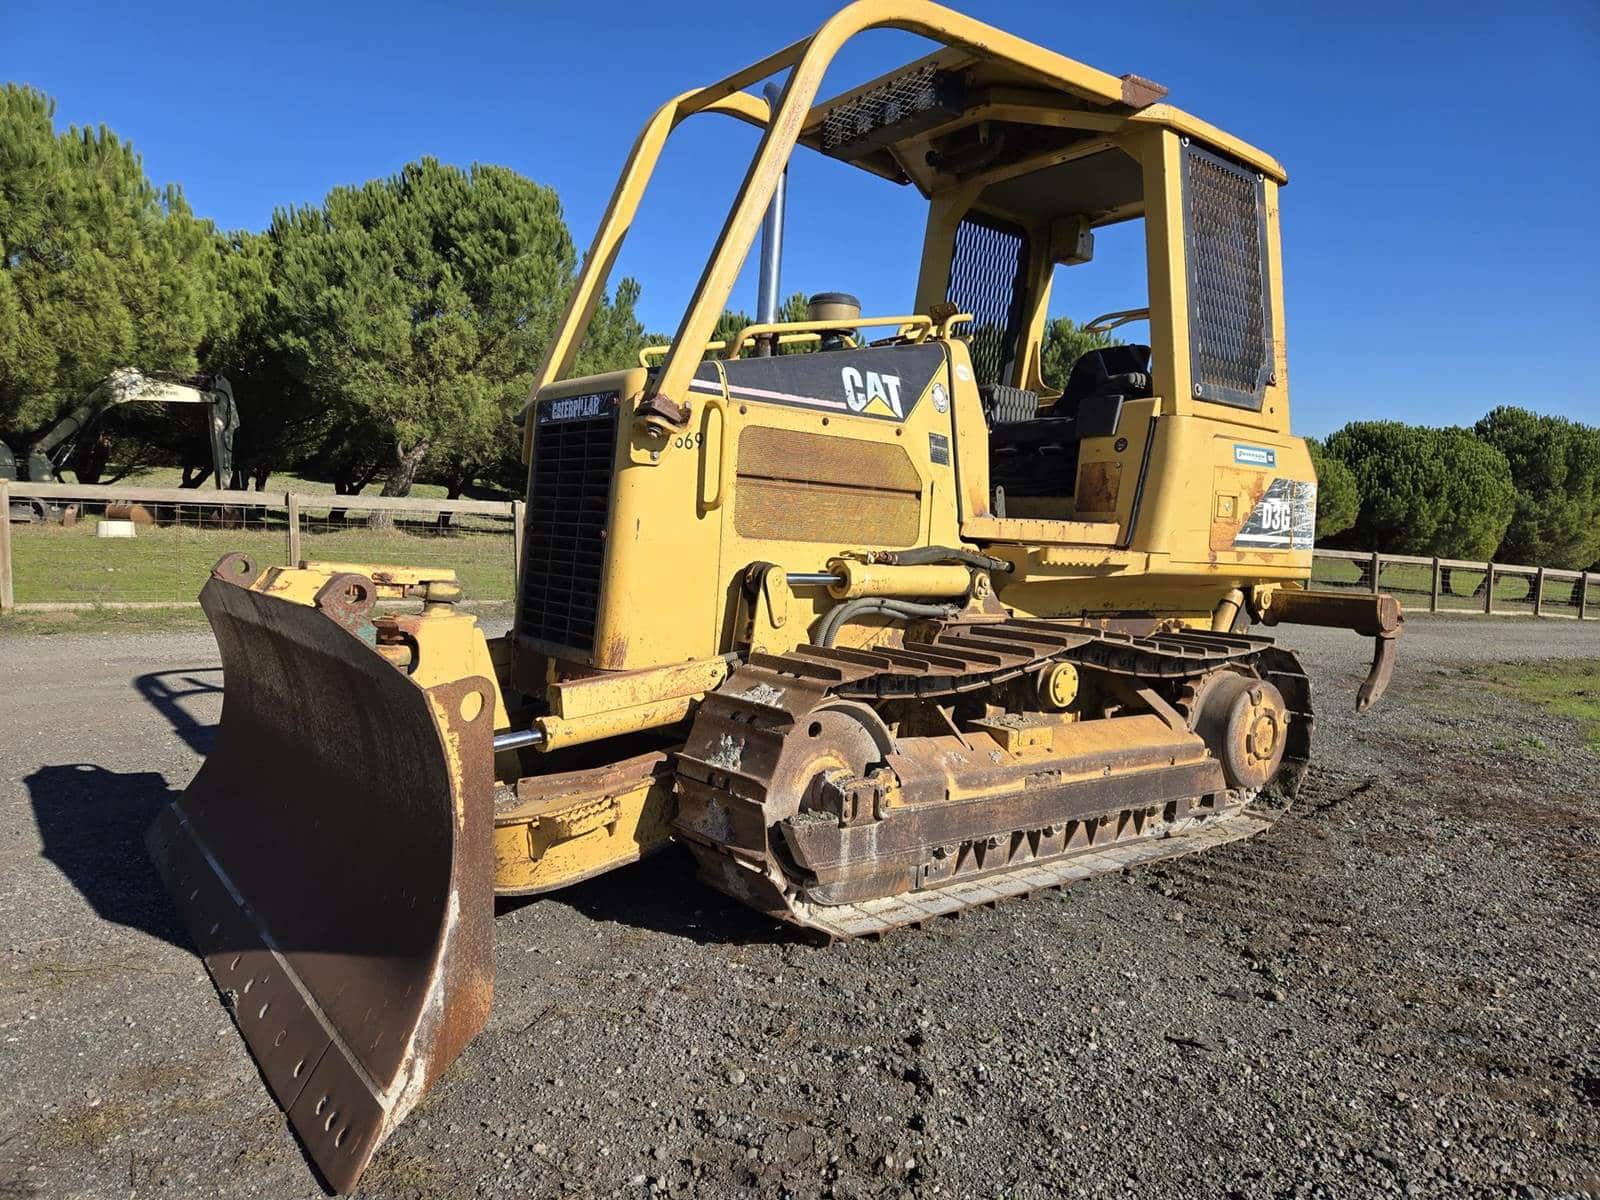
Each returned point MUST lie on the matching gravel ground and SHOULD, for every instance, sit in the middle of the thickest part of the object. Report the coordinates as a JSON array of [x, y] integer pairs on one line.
[[1395, 991]]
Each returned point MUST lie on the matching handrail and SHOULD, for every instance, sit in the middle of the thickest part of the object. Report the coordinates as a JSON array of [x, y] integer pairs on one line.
[[807, 60], [812, 331], [1106, 322], [651, 354], [920, 323]]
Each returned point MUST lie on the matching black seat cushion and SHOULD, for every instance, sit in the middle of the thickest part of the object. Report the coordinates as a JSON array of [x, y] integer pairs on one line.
[[1002, 404], [1110, 370]]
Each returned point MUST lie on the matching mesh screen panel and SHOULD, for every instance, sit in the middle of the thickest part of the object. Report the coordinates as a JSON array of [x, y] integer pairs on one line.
[[569, 499], [1230, 319], [927, 93], [986, 279]]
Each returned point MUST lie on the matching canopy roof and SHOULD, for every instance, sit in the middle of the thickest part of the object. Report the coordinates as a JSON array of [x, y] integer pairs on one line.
[[1043, 138]]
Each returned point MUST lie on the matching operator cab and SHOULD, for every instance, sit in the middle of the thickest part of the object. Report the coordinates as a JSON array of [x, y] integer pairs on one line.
[[1049, 429], [1022, 172]]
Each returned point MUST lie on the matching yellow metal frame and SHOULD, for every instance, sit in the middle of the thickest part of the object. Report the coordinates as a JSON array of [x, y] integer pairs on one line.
[[807, 62]]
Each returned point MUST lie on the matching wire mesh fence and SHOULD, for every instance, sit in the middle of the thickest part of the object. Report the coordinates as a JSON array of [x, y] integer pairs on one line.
[[1452, 586], [60, 556], [1462, 588]]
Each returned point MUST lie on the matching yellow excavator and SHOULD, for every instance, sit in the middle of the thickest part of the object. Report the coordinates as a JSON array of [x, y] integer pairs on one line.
[[871, 616]]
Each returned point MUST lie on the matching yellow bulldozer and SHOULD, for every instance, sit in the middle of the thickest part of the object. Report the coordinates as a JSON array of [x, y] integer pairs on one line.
[[875, 619]]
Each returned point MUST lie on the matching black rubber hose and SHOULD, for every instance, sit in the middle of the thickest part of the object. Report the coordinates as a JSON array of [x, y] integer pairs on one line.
[[835, 618], [924, 555]]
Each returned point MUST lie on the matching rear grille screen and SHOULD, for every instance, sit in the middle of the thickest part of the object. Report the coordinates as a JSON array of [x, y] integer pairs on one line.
[[987, 275], [569, 498], [1225, 244]]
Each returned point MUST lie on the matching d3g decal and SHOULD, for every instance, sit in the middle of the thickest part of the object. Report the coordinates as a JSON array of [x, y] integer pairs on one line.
[[1285, 518], [864, 389]]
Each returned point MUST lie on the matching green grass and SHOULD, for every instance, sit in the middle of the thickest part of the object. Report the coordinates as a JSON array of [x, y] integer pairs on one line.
[[120, 621], [69, 564], [1568, 687], [1414, 579]]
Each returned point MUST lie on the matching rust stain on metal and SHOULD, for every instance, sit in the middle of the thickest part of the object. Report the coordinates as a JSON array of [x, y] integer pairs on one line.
[[346, 600], [1139, 92], [236, 567], [360, 841], [1098, 486], [1241, 491]]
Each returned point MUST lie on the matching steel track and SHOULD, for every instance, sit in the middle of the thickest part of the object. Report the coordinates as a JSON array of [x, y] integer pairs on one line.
[[727, 763]]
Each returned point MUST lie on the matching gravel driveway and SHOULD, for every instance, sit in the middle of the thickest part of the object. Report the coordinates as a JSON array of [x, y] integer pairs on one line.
[[1395, 991]]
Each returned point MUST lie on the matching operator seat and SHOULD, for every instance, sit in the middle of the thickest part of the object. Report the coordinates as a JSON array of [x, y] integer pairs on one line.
[[1110, 370], [1037, 455]]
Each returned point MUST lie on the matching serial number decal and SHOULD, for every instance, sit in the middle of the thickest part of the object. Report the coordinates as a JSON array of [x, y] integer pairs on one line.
[[576, 408]]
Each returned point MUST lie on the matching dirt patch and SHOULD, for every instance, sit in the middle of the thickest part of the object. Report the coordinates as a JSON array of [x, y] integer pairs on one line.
[[1393, 992]]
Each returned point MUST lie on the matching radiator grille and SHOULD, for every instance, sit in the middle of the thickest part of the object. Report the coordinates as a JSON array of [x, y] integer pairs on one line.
[[569, 498], [987, 276], [1225, 243]]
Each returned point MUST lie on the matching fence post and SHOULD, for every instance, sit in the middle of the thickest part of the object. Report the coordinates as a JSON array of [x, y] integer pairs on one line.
[[7, 599], [1538, 593], [1583, 595], [1433, 594], [1488, 590], [518, 520], [292, 507], [1377, 564]]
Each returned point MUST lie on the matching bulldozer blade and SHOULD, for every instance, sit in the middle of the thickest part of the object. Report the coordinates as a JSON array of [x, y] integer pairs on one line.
[[333, 859]]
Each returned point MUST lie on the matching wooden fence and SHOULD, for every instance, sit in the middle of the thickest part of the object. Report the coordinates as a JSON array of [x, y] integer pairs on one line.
[[1436, 584], [187, 528], [304, 520]]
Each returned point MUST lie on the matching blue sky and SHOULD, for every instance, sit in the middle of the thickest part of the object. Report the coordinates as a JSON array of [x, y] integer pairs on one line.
[[1441, 226]]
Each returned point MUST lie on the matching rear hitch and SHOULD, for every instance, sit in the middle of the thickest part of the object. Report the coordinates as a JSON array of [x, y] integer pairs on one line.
[[1374, 615]]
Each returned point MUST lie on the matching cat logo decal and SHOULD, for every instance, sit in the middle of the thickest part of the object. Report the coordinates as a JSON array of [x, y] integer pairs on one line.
[[864, 390]]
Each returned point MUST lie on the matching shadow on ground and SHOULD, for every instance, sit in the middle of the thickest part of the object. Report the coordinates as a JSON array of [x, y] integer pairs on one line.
[[662, 894], [165, 691], [92, 822]]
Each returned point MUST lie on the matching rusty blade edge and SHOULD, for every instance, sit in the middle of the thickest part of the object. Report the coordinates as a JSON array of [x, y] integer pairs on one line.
[[333, 1106]]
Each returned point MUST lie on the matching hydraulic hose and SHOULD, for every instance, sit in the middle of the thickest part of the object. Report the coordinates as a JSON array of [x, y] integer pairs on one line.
[[840, 615], [924, 555]]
